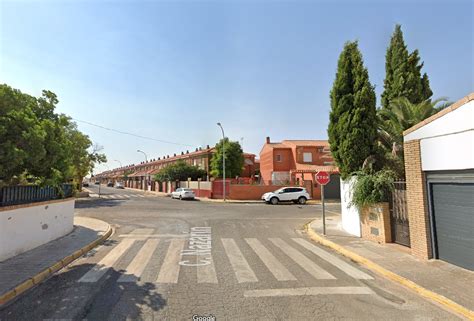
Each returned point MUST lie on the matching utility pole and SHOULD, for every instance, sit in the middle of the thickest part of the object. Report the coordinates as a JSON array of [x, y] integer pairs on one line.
[[223, 160], [146, 161]]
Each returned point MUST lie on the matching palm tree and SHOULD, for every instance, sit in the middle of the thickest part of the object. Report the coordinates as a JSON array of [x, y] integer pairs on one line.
[[393, 121]]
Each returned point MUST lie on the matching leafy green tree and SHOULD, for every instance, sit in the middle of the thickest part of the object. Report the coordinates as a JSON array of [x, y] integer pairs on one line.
[[22, 135], [403, 73], [352, 120], [39, 145], [234, 159], [180, 171]]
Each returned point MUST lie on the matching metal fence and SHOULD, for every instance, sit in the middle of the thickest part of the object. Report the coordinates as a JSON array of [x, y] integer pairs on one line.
[[15, 195]]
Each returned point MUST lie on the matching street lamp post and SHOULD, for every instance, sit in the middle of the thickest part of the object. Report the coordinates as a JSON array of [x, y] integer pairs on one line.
[[223, 160], [120, 163], [146, 161]]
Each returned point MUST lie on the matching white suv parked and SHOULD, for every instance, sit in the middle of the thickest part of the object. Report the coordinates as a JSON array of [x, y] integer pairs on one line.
[[287, 194]]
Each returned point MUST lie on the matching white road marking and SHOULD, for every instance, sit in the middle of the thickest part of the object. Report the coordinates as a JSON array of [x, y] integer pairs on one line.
[[94, 274], [104, 196], [207, 273], [139, 195], [137, 266], [308, 265], [242, 269], [141, 231], [277, 269], [125, 195], [169, 271], [145, 236], [308, 291], [340, 264]]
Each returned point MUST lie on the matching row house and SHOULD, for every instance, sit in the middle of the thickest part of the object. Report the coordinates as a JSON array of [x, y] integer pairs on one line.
[[138, 175], [295, 162]]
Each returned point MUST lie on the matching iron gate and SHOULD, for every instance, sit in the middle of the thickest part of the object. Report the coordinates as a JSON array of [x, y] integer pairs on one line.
[[399, 215]]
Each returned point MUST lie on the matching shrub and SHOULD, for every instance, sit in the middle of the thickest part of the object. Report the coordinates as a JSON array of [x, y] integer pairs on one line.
[[372, 187]]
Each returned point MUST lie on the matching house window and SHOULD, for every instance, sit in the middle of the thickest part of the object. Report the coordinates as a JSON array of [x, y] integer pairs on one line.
[[307, 157], [278, 157], [320, 149]]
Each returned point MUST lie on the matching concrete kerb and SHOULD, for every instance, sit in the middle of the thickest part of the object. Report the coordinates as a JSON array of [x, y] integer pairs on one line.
[[438, 298], [43, 275]]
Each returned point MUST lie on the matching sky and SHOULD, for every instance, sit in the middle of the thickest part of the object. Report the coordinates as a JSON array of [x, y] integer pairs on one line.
[[172, 70]]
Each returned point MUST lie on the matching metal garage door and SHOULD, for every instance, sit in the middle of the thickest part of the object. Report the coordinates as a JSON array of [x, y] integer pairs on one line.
[[453, 222], [333, 189]]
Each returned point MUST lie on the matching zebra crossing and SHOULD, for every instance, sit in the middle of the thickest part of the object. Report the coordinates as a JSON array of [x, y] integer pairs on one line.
[[147, 250], [120, 196]]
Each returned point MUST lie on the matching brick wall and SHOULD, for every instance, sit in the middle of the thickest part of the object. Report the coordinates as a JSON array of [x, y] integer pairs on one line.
[[375, 223], [420, 238], [250, 192]]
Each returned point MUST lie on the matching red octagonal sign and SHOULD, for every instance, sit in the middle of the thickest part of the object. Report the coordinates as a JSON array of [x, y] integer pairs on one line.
[[322, 178]]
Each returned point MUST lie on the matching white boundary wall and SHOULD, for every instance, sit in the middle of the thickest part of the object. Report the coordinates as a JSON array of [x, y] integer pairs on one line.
[[350, 217], [24, 228]]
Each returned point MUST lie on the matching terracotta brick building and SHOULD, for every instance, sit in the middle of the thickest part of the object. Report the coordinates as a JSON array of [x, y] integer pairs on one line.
[[296, 162], [137, 174]]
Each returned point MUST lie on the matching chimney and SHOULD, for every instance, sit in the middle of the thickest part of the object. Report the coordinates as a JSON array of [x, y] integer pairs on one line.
[[174, 155], [187, 151], [200, 148], [196, 149], [207, 146], [182, 153], [268, 140]]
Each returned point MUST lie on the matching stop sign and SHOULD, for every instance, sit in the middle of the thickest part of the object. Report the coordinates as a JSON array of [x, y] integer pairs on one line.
[[322, 178]]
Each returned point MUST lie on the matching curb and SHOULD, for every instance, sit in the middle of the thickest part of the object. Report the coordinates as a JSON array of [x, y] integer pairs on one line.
[[43, 275], [438, 298]]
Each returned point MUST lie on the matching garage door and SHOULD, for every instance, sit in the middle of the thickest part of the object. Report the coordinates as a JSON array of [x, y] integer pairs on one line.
[[453, 222]]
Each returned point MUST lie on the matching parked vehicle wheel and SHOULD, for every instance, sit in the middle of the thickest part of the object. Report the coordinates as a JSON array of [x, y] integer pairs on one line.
[[180, 198], [274, 201], [302, 200]]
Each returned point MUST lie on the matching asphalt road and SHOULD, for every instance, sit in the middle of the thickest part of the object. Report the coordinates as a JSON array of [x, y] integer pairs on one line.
[[172, 260]]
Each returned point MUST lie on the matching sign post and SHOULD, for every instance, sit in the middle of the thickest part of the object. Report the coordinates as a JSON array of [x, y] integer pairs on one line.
[[322, 178]]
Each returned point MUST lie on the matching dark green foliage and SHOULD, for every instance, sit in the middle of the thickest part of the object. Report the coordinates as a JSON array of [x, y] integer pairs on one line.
[[234, 159], [180, 171], [352, 120], [393, 121], [39, 145], [403, 73], [372, 187]]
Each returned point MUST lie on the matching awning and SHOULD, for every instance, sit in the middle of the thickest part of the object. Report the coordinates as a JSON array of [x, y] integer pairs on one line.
[[308, 168]]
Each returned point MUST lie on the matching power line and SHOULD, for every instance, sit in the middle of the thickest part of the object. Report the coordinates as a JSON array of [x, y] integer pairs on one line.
[[130, 134]]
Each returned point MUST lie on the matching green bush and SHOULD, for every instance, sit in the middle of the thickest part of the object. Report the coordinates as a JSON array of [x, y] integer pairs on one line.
[[372, 187]]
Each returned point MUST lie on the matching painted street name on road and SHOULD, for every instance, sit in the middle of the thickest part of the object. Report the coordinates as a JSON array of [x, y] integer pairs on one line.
[[200, 246]]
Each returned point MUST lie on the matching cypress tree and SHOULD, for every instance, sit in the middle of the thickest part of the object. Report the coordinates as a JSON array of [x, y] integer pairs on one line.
[[403, 73], [352, 120]]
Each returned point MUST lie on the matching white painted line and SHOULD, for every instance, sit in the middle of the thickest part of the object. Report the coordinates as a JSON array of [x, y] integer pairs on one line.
[[308, 291], [94, 274], [207, 273], [337, 262], [125, 195], [277, 269], [242, 269], [144, 236], [139, 195], [308, 265], [169, 271], [133, 195], [135, 269], [104, 196], [141, 231]]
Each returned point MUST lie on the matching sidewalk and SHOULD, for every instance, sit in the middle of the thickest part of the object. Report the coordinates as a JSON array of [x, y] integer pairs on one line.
[[440, 277], [25, 270]]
